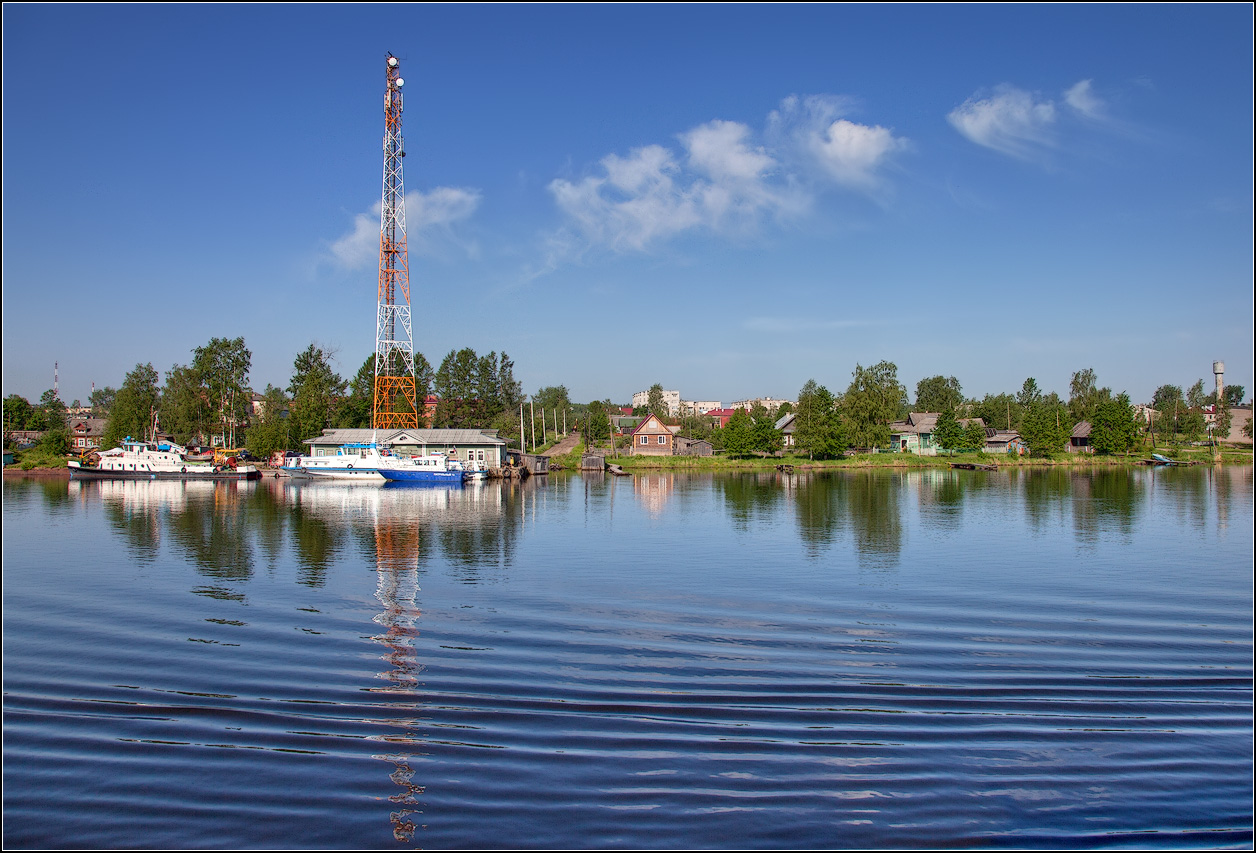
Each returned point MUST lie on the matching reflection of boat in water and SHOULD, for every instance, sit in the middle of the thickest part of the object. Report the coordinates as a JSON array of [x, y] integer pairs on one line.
[[147, 460]]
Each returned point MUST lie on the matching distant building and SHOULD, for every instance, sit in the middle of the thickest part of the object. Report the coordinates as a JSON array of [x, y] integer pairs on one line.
[[769, 403], [1079, 438], [671, 399]]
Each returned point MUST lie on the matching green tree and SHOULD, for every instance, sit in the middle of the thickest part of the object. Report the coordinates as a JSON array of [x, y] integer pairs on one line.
[[270, 432], [737, 434], [1222, 421], [1233, 395], [974, 435], [874, 400], [456, 382], [1192, 425], [1196, 397], [1000, 411], [101, 401], [657, 405], [938, 393], [133, 407], [1029, 393], [596, 425], [316, 391], [52, 409], [817, 426], [185, 409], [1169, 404], [1084, 395], [766, 438], [1046, 427], [223, 367], [356, 409], [1113, 427], [947, 432], [17, 413]]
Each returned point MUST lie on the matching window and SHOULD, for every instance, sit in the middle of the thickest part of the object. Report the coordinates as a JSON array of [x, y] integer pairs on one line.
[[645, 439], [662, 439]]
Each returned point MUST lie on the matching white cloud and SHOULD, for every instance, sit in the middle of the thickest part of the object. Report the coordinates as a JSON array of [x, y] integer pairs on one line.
[[1010, 121], [817, 134], [723, 181], [430, 218], [1082, 98]]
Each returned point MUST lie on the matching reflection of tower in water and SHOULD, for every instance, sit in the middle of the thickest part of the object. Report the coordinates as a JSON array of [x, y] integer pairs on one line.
[[397, 587]]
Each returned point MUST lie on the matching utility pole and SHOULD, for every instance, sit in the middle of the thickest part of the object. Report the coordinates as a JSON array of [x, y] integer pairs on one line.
[[394, 343]]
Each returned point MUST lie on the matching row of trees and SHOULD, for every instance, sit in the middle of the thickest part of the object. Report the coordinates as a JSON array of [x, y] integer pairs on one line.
[[827, 424]]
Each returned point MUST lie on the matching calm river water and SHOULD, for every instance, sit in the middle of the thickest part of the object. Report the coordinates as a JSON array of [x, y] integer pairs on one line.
[[863, 660]]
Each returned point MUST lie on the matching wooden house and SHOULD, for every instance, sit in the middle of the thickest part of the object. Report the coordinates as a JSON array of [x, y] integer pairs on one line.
[[653, 438]]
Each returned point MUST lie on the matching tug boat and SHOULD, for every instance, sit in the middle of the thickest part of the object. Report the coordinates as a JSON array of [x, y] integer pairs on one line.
[[148, 460]]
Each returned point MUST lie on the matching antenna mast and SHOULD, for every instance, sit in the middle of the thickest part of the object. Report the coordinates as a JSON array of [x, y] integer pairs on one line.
[[394, 348]]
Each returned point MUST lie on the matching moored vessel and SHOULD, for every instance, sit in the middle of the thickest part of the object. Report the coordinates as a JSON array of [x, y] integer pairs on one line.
[[148, 460]]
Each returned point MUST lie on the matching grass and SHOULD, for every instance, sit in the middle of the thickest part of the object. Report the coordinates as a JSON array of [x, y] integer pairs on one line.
[[1230, 455]]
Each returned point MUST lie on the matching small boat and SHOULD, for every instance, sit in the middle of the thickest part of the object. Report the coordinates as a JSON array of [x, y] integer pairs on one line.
[[1157, 459], [147, 460], [432, 468]]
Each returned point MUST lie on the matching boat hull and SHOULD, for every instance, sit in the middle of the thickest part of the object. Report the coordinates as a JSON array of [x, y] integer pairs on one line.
[[81, 473], [363, 475], [396, 475]]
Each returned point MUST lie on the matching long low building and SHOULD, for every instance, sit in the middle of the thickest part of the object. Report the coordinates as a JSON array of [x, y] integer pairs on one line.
[[466, 444]]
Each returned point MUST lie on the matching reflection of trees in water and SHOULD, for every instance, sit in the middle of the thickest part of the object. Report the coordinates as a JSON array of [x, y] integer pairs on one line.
[[1105, 499], [139, 524], [214, 534], [1045, 492], [863, 503], [818, 507], [873, 505], [315, 543], [749, 496], [942, 494]]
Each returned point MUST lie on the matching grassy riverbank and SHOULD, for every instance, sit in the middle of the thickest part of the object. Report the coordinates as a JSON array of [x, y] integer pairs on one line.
[[908, 461]]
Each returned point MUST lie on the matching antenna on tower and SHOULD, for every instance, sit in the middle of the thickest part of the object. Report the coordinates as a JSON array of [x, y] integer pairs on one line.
[[55, 368], [394, 343]]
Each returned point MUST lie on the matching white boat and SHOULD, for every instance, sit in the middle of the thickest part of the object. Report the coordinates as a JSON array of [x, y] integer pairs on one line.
[[359, 462], [147, 460]]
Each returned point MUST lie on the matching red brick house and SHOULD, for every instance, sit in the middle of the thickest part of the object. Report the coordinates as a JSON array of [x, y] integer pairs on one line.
[[653, 438]]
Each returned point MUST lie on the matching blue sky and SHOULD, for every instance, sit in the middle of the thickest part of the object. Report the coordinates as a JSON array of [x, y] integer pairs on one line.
[[728, 200]]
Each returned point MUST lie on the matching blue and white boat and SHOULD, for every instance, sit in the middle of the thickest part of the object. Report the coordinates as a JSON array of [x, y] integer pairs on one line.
[[432, 468]]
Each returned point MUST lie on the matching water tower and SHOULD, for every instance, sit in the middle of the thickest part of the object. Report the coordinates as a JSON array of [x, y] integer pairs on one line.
[[1218, 370]]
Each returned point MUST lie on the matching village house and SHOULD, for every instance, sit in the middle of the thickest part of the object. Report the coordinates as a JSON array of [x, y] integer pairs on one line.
[[785, 426], [1079, 439], [653, 438], [915, 435], [86, 434]]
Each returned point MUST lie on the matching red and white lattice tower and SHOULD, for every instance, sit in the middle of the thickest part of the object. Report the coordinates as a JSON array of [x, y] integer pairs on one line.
[[396, 405]]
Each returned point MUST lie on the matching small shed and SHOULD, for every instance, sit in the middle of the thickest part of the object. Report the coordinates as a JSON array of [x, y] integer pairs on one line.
[[533, 462], [1079, 439], [693, 447]]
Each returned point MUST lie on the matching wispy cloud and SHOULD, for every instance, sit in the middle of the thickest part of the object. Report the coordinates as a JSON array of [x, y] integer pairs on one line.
[[1084, 101], [430, 221], [1010, 121], [815, 131], [724, 179]]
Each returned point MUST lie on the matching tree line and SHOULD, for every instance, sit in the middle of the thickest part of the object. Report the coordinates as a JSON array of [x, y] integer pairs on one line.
[[827, 424]]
